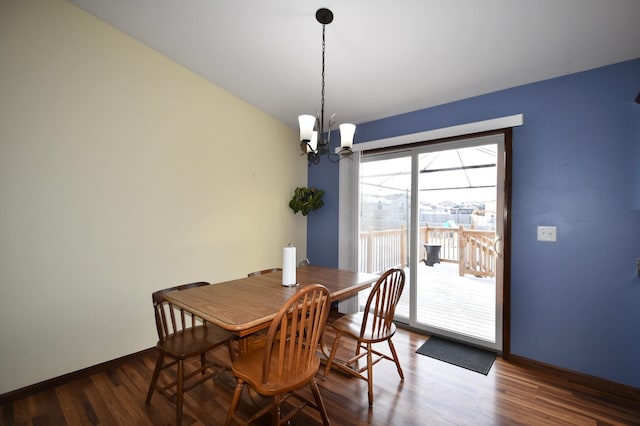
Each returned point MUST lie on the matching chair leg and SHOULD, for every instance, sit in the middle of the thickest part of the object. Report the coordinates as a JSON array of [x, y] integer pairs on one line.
[[275, 412], [154, 377], [396, 359], [319, 402], [370, 373], [234, 401], [180, 392], [334, 348]]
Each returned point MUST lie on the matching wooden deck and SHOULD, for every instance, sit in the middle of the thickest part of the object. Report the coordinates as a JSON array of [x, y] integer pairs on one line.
[[464, 305]]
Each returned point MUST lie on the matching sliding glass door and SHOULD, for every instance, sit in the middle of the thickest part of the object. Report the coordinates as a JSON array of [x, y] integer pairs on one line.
[[435, 211]]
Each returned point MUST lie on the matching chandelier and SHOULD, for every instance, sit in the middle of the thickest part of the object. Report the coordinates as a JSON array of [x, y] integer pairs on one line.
[[312, 131]]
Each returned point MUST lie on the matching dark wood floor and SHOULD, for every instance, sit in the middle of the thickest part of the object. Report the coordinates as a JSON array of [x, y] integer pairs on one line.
[[433, 393]]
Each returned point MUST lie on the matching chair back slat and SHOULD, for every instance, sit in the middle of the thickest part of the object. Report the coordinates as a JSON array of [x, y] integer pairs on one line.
[[382, 302], [294, 334], [171, 319], [264, 271]]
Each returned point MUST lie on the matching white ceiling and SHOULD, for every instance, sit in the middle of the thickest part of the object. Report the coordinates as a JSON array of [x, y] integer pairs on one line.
[[382, 58]]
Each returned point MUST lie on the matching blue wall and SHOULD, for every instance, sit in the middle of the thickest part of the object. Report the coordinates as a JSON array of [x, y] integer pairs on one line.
[[576, 165]]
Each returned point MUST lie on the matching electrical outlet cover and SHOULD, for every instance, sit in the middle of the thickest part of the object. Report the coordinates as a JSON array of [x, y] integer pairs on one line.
[[547, 233]]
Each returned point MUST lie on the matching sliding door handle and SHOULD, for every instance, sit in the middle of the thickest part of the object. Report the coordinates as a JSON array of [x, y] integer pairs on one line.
[[498, 244]]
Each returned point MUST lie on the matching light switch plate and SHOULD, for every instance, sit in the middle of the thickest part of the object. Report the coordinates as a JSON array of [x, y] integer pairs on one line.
[[547, 233]]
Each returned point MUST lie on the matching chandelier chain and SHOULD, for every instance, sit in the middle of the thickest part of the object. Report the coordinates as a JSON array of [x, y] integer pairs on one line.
[[321, 129]]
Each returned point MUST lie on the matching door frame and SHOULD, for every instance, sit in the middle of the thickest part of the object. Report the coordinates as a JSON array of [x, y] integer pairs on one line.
[[348, 208], [502, 297]]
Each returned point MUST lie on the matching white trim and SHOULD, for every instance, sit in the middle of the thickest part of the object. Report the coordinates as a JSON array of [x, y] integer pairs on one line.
[[445, 132]]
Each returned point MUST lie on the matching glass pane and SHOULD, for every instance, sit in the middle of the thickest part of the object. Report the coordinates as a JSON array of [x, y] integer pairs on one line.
[[385, 207], [455, 289]]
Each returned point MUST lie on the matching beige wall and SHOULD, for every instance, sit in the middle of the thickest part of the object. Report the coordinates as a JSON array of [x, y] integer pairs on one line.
[[121, 172]]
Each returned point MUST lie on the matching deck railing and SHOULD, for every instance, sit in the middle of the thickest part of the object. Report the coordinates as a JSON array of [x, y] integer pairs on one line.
[[472, 250]]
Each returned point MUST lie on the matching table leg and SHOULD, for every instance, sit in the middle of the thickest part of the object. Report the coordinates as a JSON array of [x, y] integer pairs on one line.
[[243, 346]]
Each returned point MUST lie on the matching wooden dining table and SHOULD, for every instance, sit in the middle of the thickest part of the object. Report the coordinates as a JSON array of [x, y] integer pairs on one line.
[[247, 305]]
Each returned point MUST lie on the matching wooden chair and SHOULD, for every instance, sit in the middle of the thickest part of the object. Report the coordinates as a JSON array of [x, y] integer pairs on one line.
[[264, 271], [374, 325], [182, 336], [259, 336], [289, 359]]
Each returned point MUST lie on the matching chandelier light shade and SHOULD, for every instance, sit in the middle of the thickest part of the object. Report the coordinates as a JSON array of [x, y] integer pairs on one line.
[[347, 131], [312, 129], [307, 123]]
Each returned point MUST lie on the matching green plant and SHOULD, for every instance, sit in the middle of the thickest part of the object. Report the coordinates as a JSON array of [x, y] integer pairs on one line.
[[306, 199]]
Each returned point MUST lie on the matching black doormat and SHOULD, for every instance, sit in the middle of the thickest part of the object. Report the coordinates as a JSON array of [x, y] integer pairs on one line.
[[465, 356]]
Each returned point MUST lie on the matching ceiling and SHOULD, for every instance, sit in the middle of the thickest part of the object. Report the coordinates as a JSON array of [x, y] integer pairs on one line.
[[382, 58]]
